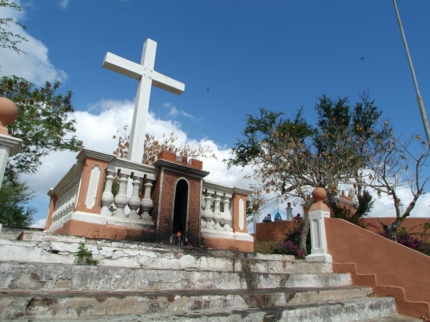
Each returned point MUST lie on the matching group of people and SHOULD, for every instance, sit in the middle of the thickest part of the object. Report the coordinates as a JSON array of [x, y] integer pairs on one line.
[[278, 217]]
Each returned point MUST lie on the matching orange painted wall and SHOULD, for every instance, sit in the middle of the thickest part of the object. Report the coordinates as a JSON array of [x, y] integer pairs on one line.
[[273, 231], [390, 268], [228, 244]]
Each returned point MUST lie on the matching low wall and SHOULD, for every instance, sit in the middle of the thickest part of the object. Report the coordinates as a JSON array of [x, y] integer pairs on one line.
[[273, 231], [390, 268], [411, 224]]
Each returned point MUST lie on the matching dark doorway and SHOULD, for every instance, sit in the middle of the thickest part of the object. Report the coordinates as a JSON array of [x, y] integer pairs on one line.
[[181, 208]]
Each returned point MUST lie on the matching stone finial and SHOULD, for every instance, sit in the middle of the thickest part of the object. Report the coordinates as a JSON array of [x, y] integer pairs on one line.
[[8, 114], [319, 195]]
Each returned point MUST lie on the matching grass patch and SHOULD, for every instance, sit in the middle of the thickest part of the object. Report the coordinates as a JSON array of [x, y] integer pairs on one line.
[[265, 247]]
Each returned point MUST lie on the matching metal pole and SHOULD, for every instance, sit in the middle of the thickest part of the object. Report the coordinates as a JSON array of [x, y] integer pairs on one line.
[[419, 98]]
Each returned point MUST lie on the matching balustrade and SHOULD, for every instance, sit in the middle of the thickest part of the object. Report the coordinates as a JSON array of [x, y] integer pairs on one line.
[[66, 202], [116, 206], [216, 210]]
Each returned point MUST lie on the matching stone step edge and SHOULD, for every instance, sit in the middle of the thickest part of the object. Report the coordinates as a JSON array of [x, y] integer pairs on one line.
[[201, 292], [170, 269], [161, 248], [260, 314]]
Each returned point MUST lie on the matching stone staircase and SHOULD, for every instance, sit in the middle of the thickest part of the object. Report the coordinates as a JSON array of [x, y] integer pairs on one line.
[[148, 282]]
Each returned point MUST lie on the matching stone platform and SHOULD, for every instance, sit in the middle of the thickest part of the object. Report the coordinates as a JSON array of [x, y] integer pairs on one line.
[[147, 282]]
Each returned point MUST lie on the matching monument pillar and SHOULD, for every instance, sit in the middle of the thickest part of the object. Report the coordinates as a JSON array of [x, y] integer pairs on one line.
[[9, 146]]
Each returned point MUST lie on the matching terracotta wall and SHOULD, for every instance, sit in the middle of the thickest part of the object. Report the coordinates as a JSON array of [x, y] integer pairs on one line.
[[273, 231], [390, 268]]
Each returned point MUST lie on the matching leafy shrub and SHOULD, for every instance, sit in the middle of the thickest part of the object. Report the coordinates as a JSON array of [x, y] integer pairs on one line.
[[84, 256], [291, 244], [406, 238]]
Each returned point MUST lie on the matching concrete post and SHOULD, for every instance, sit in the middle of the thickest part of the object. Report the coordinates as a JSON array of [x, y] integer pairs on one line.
[[289, 212], [318, 212], [9, 146]]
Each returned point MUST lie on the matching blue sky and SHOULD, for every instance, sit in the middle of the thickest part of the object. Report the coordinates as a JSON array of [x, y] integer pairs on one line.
[[233, 56]]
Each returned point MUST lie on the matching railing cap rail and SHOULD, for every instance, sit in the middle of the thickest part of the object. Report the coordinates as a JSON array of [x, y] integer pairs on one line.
[[213, 186]]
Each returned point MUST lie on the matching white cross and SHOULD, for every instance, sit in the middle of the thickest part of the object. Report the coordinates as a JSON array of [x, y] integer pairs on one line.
[[147, 77]]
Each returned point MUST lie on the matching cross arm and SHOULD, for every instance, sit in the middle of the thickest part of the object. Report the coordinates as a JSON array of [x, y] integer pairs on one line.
[[167, 83], [123, 66]]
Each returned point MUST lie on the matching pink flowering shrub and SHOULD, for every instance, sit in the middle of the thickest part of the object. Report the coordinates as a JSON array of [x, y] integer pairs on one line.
[[406, 239], [291, 244]]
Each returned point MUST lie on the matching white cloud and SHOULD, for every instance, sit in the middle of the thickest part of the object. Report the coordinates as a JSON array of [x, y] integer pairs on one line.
[[38, 223], [34, 65], [63, 4], [173, 111]]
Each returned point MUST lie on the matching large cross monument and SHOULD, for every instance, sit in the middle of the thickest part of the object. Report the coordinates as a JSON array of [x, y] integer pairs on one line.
[[147, 77]]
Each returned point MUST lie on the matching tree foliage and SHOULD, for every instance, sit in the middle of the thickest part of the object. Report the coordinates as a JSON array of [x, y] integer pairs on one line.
[[397, 163], [8, 39], [289, 157], [14, 198], [153, 146], [44, 123]]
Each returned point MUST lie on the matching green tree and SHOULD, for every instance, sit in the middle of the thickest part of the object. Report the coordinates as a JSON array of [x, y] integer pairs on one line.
[[8, 39], [289, 157], [399, 163], [44, 123], [14, 197]]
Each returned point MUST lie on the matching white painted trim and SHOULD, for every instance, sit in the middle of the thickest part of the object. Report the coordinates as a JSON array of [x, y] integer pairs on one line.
[[131, 223], [160, 182], [93, 184], [13, 144], [227, 235], [241, 215]]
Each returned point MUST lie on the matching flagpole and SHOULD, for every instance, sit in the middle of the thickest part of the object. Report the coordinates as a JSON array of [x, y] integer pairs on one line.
[[411, 66]]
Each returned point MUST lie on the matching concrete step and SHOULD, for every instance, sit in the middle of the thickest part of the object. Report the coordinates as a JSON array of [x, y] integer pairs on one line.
[[286, 302], [41, 276], [137, 281], [355, 309], [395, 318], [62, 250]]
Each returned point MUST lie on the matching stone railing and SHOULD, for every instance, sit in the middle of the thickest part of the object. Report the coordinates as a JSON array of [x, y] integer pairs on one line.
[[223, 210], [216, 207], [131, 177], [86, 192], [65, 193]]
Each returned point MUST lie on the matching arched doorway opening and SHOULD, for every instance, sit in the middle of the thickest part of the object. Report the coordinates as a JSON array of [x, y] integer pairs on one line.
[[180, 211]]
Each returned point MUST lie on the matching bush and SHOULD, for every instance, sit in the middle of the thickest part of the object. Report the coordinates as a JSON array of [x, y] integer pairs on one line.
[[291, 244], [84, 256], [407, 239]]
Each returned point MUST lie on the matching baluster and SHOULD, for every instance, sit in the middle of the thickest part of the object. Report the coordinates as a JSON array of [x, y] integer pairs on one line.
[[226, 213], [146, 203], [107, 196], [207, 213], [134, 201], [121, 198], [217, 212]]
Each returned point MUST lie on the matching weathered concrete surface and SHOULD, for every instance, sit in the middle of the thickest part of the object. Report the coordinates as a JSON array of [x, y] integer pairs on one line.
[[62, 304], [348, 310], [48, 249], [149, 282], [79, 277]]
